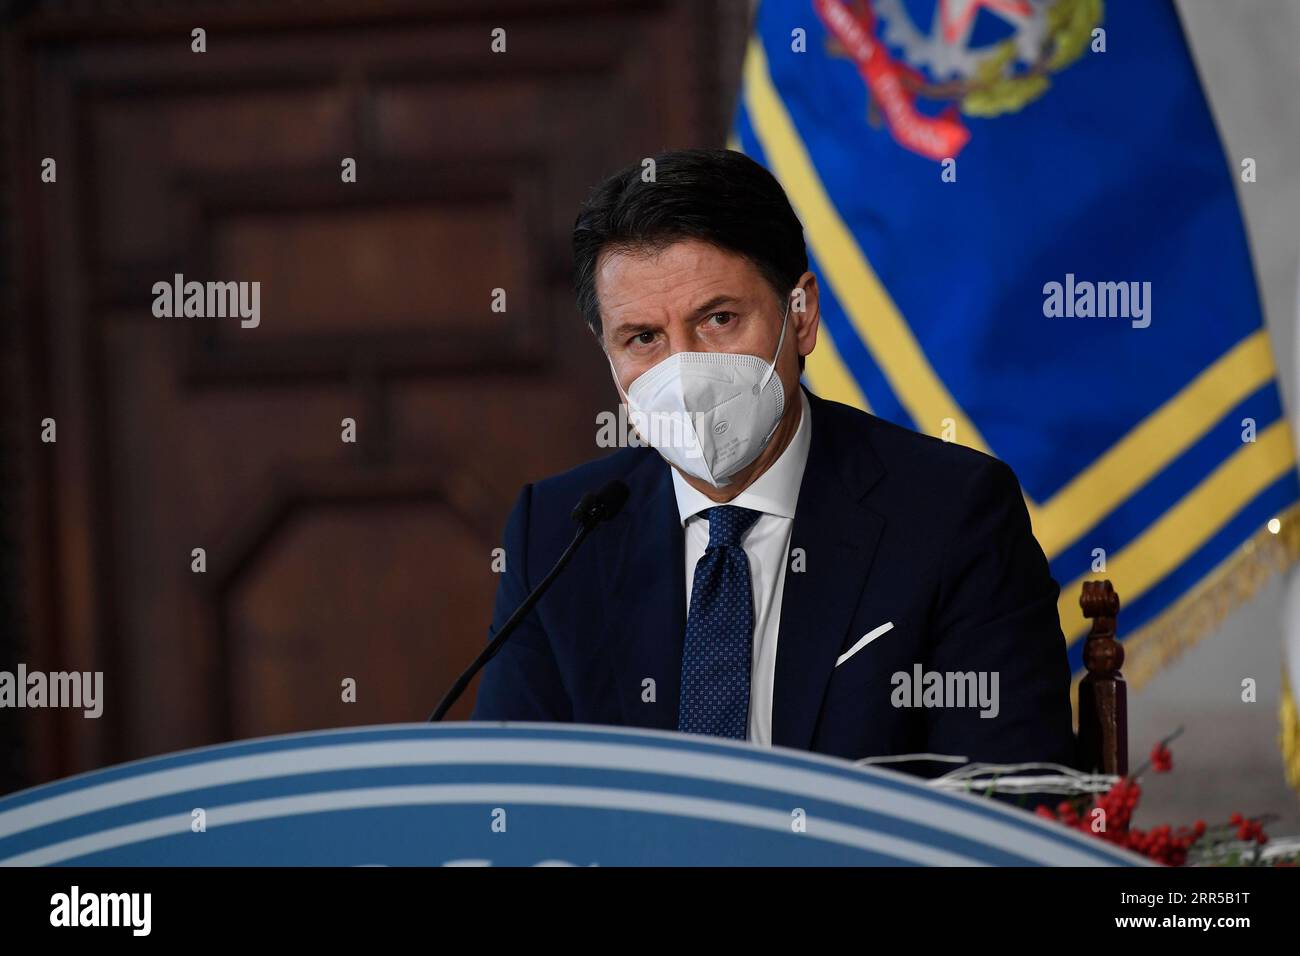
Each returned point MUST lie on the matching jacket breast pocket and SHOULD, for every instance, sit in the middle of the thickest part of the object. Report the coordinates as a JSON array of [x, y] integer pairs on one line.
[[883, 651]]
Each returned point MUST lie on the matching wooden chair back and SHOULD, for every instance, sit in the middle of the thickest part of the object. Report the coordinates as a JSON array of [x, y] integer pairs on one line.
[[1103, 695]]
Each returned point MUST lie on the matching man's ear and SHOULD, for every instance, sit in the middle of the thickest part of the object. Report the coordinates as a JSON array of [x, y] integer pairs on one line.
[[805, 311]]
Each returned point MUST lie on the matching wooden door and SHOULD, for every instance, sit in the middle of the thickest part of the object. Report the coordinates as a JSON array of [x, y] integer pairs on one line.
[[326, 560]]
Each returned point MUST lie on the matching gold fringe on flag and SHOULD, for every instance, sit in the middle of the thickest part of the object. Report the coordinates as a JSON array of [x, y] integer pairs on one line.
[[1237, 579]]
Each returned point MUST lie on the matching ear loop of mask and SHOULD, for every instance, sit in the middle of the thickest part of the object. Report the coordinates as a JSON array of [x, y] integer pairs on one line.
[[771, 369], [780, 341]]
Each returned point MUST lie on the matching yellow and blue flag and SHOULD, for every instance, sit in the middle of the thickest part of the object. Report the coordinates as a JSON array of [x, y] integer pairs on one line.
[[1028, 241]]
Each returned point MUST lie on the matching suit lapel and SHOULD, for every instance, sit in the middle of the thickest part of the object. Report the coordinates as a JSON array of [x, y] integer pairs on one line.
[[643, 567], [838, 537]]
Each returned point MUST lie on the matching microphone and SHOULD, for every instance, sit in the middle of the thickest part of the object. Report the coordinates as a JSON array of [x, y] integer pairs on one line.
[[591, 510], [602, 505]]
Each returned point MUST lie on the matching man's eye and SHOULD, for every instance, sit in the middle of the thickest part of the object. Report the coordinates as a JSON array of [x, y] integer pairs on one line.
[[722, 317], [642, 338]]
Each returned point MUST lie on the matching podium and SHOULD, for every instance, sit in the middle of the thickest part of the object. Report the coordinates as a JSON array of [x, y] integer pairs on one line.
[[517, 794]]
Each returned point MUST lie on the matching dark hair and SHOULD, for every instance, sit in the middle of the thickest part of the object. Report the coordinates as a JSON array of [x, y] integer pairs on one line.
[[718, 196]]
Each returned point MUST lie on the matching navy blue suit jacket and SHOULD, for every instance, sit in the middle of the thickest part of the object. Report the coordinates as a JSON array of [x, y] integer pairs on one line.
[[893, 526]]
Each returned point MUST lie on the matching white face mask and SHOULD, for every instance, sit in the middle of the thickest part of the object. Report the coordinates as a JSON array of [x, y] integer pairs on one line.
[[708, 413]]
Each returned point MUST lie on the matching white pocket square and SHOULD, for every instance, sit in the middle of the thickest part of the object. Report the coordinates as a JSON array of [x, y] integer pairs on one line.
[[866, 639]]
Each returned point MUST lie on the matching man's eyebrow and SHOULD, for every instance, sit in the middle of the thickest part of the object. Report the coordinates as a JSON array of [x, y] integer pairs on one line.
[[629, 328], [713, 303], [632, 328]]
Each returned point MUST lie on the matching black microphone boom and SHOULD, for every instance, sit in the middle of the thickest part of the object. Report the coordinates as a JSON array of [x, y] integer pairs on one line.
[[594, 508]]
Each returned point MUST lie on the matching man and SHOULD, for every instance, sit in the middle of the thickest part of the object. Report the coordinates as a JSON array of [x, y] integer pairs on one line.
[[787, 570]]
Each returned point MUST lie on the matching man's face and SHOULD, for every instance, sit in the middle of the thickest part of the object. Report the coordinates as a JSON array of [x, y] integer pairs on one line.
[[694, 297]]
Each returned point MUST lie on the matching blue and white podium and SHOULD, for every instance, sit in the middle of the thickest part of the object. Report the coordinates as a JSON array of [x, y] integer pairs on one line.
[[516, 794]]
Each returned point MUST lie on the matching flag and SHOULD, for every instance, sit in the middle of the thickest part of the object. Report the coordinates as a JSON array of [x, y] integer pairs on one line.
[[1027, 241], [1288, 714]]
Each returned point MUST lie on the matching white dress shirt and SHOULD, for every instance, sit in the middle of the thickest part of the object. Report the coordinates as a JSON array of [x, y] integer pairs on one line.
[[766, 543]]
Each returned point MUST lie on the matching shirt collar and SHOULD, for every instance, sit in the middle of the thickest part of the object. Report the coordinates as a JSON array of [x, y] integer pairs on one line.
[[775, 492]]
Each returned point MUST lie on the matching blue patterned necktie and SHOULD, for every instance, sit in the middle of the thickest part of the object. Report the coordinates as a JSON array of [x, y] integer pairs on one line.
[[719, 631]]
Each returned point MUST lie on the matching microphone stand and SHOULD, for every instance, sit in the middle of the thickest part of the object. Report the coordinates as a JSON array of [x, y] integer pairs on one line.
[[590, 511]]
